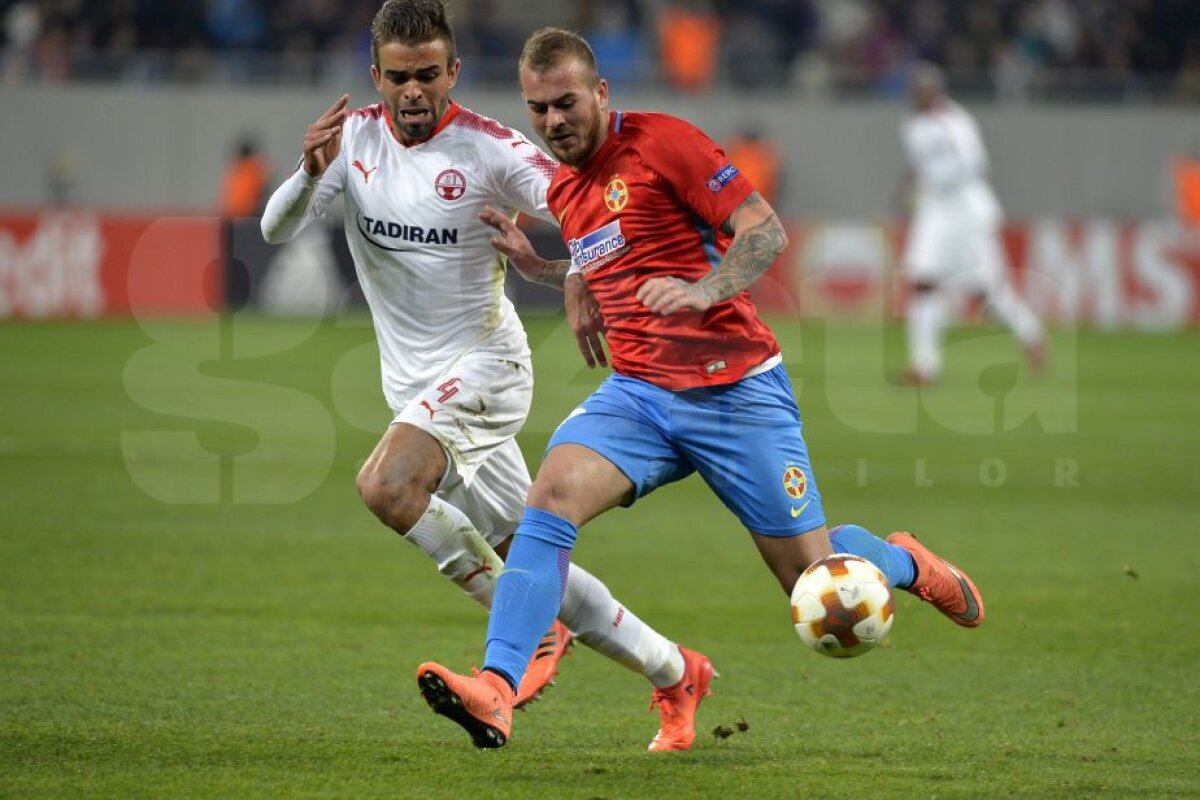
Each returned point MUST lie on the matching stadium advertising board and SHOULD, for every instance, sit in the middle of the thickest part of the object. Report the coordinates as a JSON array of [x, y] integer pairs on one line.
[[1096, 273], [72, 263], [79, 264]]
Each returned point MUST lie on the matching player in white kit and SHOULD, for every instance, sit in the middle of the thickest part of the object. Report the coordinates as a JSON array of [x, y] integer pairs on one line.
[[953, 248], [415, 171]]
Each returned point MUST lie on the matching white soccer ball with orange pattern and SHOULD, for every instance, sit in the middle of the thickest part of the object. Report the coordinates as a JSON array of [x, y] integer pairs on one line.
[[842, 606]]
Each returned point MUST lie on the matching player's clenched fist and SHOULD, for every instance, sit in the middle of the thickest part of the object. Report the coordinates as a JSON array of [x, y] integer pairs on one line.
[[323, 139]]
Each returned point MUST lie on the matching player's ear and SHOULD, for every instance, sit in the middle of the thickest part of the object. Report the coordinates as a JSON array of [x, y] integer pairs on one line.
[[602, 94], [452, 72], [377, 77]]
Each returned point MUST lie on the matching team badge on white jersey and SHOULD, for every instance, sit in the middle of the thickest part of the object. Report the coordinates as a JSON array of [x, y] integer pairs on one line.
[[450, 184]]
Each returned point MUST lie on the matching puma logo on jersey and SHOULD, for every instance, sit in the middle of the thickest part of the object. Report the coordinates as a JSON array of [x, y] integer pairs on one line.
[[366, 173], [429, 408]]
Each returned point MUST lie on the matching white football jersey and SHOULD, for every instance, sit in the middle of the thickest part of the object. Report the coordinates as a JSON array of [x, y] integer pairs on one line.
[[949, 163], [434, 284]]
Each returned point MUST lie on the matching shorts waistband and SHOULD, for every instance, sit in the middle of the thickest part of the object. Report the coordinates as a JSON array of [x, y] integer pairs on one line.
[[766, 366]]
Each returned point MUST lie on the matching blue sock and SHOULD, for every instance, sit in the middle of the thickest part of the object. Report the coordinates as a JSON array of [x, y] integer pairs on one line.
[[528, 592], [894, 562]]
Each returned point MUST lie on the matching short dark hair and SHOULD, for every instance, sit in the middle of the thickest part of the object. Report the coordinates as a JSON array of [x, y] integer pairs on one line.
[[546, 48], [412, 22]]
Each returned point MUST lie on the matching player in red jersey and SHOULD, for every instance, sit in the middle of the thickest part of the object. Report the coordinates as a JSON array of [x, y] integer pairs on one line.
[[668, 236]]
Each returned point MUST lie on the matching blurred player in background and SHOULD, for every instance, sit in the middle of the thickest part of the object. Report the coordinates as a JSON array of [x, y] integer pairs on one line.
[[953, 248], [416, 170], [668, 235]]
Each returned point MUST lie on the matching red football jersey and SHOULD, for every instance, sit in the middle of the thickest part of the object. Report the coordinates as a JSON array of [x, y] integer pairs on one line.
[[650, 202]]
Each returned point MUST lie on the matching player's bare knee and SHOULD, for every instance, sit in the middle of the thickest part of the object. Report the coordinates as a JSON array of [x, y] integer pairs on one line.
[[397, 503], [559, 494], [547, 495]]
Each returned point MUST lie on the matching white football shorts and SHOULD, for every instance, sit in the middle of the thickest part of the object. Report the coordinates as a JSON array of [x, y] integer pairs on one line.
[[474, 409], [953, 247]]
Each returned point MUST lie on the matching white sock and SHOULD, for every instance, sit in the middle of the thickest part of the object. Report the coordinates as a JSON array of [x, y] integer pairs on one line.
[[1008, 306], [599, 621], [588, 608], [461, 553], [926, 319]]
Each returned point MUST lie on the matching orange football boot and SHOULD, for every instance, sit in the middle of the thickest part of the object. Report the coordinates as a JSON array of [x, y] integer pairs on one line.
[[482, 703], [544, 665], [949, 589], [677, 704]]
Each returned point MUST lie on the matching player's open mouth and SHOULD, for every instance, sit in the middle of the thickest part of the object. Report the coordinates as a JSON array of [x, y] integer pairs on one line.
[[415, 114], [563, 140]]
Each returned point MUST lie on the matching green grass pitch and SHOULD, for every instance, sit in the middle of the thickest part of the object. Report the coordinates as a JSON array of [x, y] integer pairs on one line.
[[194, 603]]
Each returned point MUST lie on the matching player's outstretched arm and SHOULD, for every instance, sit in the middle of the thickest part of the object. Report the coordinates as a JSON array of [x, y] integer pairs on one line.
[[758, 239], [288, 209], [513, 244], [583, 312]]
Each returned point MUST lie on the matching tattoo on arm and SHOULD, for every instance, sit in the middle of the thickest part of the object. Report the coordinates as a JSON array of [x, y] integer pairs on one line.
[[748, 257], [554, 273]]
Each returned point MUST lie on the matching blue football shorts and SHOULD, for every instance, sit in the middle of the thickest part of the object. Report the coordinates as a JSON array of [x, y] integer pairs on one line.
[[744, 439]]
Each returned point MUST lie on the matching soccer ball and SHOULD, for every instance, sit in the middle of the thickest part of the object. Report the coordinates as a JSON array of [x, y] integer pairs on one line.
[[842, 606]]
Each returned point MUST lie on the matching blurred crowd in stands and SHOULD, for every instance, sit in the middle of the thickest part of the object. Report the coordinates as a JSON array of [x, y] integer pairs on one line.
[[1007, 48]]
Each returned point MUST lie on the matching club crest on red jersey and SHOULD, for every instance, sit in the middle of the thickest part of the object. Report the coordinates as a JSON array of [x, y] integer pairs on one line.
[[795, 482], [616, 194], [450, 184]]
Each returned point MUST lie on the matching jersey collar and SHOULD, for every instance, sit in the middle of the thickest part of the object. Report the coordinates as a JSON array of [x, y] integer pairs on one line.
[[452, 110]]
